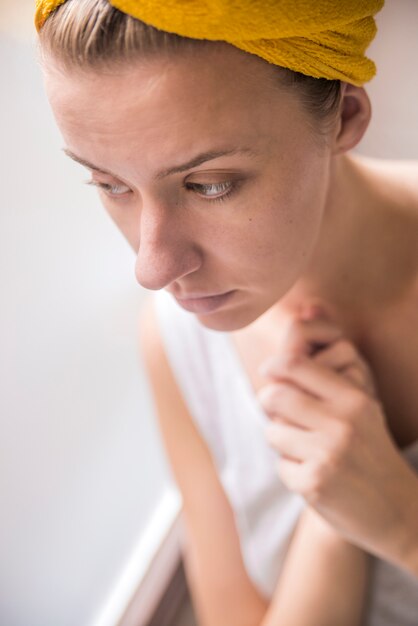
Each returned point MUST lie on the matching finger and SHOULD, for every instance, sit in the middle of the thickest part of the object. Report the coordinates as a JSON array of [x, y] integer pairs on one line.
[[288, 402], [339, 355], [293, 475], [312, 377], [303, 338], [343, 357], [290, 441], [360, 378]]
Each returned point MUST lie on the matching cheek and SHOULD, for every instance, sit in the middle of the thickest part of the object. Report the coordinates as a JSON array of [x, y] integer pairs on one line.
[[282, 238], [298, 209], [280, 230]]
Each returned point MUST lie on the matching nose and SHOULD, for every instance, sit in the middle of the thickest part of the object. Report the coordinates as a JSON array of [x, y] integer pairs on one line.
[[165, 253]]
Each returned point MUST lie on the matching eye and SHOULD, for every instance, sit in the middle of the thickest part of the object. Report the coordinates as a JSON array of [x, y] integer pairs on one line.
[[111, 190], [212, 191]]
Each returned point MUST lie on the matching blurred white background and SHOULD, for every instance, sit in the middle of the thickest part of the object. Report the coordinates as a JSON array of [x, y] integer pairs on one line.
[[81, 466]]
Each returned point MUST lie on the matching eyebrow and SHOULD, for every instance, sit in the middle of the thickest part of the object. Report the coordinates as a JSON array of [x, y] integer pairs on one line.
[[203, 157]]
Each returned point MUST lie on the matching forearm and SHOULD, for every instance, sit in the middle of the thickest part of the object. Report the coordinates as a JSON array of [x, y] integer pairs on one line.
[[323, 582], [400, 546]]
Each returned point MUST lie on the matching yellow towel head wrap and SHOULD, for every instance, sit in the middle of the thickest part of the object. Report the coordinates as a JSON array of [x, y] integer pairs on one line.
[[320, 38]]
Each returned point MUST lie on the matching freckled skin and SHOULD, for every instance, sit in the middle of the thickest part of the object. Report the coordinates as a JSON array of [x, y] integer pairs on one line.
[[274, 235]]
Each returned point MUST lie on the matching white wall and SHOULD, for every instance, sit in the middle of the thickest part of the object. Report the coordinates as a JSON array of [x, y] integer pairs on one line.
[[81, 466], [393, 132]]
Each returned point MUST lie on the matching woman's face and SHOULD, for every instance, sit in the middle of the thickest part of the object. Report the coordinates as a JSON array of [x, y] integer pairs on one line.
[[214, 174]]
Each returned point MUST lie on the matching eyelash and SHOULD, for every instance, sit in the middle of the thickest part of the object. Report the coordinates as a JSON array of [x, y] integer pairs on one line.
[[232, 186], [107, 188]]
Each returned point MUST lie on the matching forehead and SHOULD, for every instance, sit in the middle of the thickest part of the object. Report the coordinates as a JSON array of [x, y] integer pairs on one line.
[[165, 105]]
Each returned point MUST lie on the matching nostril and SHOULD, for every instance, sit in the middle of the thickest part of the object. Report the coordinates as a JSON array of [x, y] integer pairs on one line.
[[157, 268]]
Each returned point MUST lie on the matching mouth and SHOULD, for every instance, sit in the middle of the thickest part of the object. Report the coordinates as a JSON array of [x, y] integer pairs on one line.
[[204, 304]]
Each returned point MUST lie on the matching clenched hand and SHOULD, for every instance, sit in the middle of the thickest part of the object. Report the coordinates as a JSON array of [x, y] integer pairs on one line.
[[329, 428]]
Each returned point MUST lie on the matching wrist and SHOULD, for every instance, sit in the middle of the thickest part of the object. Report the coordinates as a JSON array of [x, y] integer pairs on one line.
[[321, 529], [403, 550]]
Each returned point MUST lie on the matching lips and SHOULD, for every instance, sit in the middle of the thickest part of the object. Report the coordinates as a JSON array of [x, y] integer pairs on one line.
[[204, 304]]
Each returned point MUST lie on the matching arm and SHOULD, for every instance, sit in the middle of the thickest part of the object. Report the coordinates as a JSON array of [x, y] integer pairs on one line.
[[324, 579], [401, 547], [222, 592]]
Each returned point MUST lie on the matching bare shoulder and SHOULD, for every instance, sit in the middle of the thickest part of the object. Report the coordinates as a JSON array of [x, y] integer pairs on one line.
[[392, 186], [405, 175], [404, 168], [397, 179]]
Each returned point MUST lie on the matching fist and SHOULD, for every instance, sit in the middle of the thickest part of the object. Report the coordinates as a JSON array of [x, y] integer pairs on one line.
[[329, 428]]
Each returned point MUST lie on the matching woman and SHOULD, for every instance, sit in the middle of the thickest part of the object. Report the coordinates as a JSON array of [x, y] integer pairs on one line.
[[219, 137]]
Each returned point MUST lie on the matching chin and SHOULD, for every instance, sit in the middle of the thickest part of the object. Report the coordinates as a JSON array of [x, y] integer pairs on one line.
[[228, 321]]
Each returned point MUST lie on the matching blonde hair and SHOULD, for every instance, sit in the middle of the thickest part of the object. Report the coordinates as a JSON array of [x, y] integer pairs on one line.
[[92, 35]]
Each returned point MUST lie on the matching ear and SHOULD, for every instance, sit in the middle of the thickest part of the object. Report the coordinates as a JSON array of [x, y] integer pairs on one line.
[[353, 119]]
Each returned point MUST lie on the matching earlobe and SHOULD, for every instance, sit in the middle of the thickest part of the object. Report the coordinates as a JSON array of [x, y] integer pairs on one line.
[[354, 118]]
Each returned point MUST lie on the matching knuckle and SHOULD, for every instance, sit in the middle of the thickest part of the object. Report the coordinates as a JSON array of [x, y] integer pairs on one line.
[[345, 434], [273, 435], [375, 408], [346, 348], [353, 371], [296, 331], [285, 476], [314, 486], [358, 378], [329, 459], [297, 324], [333, 459], [344, 439], [291, 361], [271, 396], [265, 398], [357, 402]]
